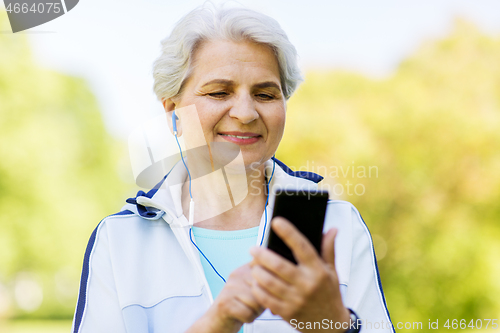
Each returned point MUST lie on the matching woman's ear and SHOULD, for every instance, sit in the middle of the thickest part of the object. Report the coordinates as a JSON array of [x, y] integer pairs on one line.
[[169, 106]]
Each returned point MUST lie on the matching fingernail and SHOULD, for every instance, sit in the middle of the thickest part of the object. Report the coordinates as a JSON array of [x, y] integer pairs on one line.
[[277, 221]]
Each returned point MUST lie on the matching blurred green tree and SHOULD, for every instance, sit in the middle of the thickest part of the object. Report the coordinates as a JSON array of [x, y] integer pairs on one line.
[[58, 179], [431, 133]]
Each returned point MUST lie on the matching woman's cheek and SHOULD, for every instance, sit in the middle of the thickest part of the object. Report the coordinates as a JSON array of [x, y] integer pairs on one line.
[[208, 123], [280, 126]]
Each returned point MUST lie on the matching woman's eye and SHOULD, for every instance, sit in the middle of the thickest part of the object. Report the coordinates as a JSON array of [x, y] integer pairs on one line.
[[219, 94], [265, 96]]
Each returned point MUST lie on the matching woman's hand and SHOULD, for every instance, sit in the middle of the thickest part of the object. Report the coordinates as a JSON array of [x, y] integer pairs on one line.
[[308, 291], [234, 305]]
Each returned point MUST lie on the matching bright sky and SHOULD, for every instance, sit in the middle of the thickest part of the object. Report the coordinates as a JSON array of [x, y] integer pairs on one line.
[[113, 43]]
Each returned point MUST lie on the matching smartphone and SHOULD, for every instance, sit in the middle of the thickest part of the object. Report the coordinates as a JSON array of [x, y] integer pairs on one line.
[[306, 210]]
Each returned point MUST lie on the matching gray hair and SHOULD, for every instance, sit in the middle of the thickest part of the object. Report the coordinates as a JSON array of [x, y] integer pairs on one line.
[[209, 22]]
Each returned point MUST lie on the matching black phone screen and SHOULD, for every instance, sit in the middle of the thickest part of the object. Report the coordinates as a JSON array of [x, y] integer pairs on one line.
[[306, 210]]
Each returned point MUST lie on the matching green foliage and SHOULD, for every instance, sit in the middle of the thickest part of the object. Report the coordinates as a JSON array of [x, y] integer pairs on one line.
[[58, 179], [432, 130]]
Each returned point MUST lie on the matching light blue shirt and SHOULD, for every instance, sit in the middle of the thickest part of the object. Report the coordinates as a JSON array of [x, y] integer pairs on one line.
[[226, 250]]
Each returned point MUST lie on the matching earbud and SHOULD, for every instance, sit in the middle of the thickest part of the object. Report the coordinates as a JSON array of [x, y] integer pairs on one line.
[[174, 122]]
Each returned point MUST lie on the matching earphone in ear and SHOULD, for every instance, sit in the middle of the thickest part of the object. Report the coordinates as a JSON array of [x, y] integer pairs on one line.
[[174, 122]]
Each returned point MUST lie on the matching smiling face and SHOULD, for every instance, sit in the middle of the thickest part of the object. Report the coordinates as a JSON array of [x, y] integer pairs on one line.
[[237, 92]]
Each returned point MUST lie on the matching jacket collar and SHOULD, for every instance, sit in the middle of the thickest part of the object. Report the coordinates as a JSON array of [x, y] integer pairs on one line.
[[165, 198]]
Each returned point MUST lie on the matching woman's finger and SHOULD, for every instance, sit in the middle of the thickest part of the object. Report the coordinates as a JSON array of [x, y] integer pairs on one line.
[[250, 302], [237, 292], [239, 310], [271, 283], [244, 295], [267, 300], [275, 263]]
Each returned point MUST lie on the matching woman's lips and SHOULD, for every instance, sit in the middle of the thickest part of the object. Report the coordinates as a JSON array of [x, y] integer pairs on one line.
[[240, 138]]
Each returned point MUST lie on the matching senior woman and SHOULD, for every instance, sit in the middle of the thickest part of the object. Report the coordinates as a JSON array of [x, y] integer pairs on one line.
[[165, 264]]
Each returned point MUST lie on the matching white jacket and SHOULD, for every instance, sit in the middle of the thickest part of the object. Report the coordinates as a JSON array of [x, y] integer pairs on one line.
[[141, 273]]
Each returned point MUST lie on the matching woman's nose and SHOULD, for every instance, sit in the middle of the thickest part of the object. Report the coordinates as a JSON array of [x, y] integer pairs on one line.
[[243, 109]]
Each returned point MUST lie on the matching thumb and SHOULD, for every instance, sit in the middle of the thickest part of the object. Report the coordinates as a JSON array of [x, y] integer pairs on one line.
[[328, 246]]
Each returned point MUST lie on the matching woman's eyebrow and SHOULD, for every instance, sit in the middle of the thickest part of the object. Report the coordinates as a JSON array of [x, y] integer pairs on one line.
[[219, 81], [267, 84]]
